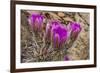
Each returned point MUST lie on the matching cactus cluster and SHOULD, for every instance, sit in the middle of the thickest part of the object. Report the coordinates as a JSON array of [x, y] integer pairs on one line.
[[56, 33]]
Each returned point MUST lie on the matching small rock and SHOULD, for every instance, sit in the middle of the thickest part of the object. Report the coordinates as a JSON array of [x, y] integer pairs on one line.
[[54, 15], [68, 19], [31, 12], [61, 14]]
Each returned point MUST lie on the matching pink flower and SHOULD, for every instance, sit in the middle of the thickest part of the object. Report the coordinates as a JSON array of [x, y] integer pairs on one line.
[[36, 22], [74, 29], [66, 58], [59, 35], [49, 27]]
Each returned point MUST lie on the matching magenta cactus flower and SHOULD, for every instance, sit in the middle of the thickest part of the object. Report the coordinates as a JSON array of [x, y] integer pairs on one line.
[[59, 35], [75, 29], [36, 22], [66, 58], [49, 27]]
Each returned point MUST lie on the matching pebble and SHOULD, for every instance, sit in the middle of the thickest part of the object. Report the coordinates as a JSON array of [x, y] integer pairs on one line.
[[68, 19], [61, 14], [54, 15]]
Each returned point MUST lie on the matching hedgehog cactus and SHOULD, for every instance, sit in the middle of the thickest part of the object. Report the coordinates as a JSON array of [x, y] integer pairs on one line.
[[56, 33]]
